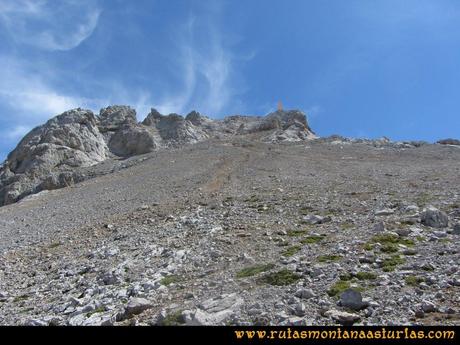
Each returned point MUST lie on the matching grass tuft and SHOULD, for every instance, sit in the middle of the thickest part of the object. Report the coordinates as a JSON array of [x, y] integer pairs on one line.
[[172, 279], [338, 287], [280, 278], [291, 251], [329, 258], [254, 270], [312, 239], [390, 263], [414, 280], [366, 276], [173, 319]]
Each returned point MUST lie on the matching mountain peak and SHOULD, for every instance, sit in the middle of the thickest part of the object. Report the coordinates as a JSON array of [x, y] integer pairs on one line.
[[53, 155]]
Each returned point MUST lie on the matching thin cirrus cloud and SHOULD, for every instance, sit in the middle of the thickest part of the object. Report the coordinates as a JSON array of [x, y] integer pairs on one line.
[[205, 72], [202, 67], [27, 99], [49, 25], [185, 66], [25, 90], [31, 96]]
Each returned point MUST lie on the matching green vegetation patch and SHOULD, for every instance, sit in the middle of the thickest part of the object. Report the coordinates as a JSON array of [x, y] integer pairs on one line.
[[312, 239], [346, 276], [173, 319], [338, 287], [254, 270], [291, 251], [280, 278], [412, 280], [366, 275], [389, 248], [368, 246], [253, 198], [386, 239], [95, 311], [329, 258], [390, 263], [172, 279]]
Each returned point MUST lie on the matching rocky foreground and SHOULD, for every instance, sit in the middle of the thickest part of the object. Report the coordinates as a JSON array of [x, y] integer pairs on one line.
[[238, 228]]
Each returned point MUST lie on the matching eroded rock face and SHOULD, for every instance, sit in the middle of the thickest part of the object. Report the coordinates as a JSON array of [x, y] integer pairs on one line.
[[50, 155], [175, 129], [46, 157], [280, 126], [131, 141], [115, 117], [289, 126]]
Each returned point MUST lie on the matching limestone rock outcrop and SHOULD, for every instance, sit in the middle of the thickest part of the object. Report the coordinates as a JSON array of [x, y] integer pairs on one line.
[[46, 157], [50, 155]]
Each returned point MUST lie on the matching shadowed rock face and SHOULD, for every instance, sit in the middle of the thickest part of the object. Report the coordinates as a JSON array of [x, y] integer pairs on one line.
[[131, 141], [51, 155]]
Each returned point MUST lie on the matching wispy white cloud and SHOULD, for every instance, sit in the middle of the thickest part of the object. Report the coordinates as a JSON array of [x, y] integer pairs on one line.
[[52, 41], [204, 74], [28, 7], [185, 65], [216, 70], [30, 89], [207, 83], [31, 96], [49, 25]]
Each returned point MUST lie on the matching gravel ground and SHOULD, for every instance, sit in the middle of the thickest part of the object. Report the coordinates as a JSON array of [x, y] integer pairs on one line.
[[242, 232]]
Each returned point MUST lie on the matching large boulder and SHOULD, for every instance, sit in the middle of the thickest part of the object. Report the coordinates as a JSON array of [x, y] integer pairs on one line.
[[434, 218], [47, 156], [131, 141], [351, 299]]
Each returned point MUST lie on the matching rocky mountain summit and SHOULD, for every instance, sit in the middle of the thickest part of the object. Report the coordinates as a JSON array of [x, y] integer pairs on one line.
[[52, 155], [240, 221]]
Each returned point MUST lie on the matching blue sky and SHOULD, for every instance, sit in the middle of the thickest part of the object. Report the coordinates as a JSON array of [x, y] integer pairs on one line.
[[357, 68]]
